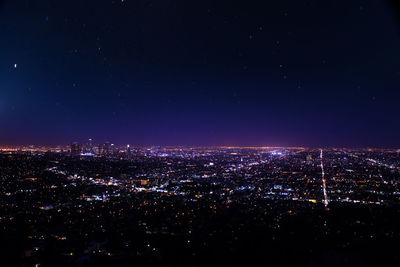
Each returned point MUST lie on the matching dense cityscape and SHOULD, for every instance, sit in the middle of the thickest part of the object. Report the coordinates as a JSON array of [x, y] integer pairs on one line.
[[222, 133], [91, 205]]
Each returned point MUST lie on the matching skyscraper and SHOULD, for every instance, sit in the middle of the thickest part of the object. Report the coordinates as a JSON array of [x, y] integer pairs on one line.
[[76, 149], [107, 148], [89, 146]]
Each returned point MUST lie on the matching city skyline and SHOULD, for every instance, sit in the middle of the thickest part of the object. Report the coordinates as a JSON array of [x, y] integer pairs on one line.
[[135, 145], [200, 133]]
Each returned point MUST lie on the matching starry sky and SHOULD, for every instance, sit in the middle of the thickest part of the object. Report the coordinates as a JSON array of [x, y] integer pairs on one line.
[[283, 73]]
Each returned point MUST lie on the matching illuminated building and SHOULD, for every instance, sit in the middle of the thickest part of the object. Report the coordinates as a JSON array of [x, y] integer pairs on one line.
[[76, 149]]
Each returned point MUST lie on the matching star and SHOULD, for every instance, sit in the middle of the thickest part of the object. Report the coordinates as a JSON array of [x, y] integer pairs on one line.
[[15, 65]]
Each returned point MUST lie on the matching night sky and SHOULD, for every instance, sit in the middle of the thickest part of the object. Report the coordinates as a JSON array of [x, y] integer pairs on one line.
[[211, 72]]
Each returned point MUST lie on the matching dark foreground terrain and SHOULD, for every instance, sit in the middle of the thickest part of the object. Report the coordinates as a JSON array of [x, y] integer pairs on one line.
[[205, 209]]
